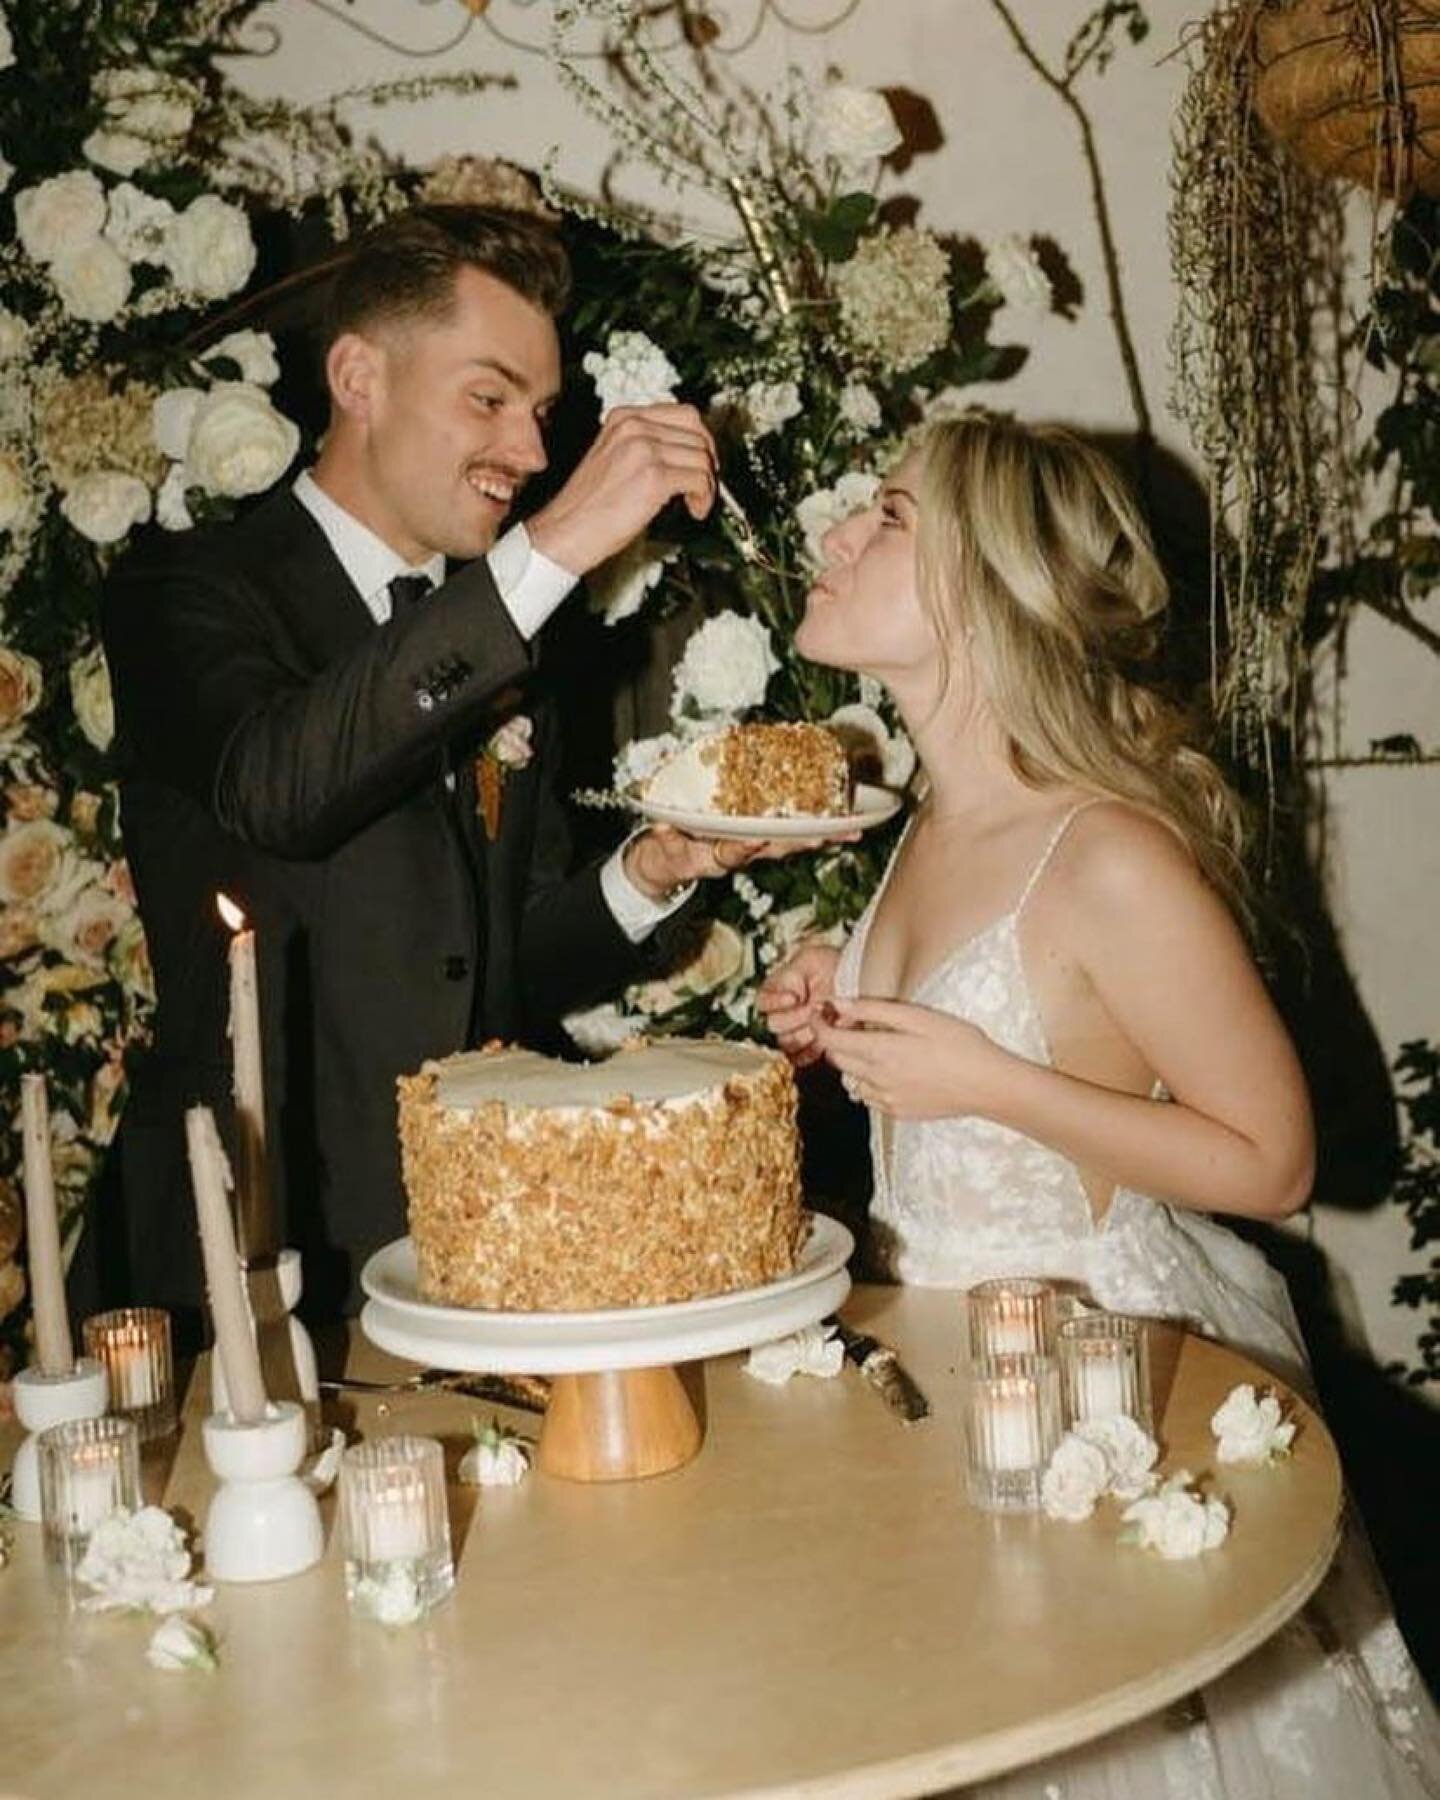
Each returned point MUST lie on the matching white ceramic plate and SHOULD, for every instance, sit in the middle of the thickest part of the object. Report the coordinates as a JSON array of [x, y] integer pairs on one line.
[[873, 806]]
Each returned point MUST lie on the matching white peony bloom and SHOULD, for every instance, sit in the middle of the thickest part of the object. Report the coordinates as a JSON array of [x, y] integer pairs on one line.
[[208, 248], [145, 111], [498, 1458], [817, 512], [93, 282], [139, 1561], [618, 587], [1074, 1479], [392, 1598], [252, 352], [813, 1350], [853, 124], [1251, 1428], [769, 405], [633, 371], [136, 223], [726, 665], [875, 752], [859, 408], [104, 505], [1014, 272], [638, 760], [1129, 1450], [14, 335], [239, 443], [1177, 1522], [14, 492], [600, 1029], [171, 512], [181, 1643], [59, 214], [172, 416], [91, 697]]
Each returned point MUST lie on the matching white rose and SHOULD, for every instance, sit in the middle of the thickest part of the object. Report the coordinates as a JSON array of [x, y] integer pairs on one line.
[[813, 1350], [239, 443], [253, 353], [172, 416], [85, 930], [208, 248], [1129, 1451], [14, 492], [144, 112], [14, 335], [93, 281], [59, 214], [618, 587], [497, 1459], [877, 753], [859, 408], [633, 371], [512, 745], [40, 866], [139, 1560], [91, 697], [726, 665], [600, 1029], [1177, 1522], [171, 512], [1251, 1428], [1074, 1479], [817, 512], [181, 1643], [22, 682], [137, 222], [105, 504], [1014, 272], [853, 124], [769, 405]]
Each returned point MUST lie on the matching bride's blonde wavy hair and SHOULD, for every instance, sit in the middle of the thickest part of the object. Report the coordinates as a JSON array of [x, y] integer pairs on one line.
[[1031, 544]]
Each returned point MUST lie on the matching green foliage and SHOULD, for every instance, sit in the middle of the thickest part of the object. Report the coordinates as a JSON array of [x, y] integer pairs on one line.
[[1417, 1192]]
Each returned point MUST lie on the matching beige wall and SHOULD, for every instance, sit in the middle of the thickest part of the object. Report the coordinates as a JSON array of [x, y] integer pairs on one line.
[[1009, 163]]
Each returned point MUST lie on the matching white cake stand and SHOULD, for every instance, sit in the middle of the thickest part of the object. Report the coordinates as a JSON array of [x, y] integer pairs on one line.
[[617, 1409]]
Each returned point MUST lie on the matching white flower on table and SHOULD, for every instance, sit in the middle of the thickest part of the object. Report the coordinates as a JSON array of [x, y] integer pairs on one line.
[[853, 124], [320, 1476], [1129, 1450], [813, 1350], [180, 1644], [391, 1598], [1176, 1521], [1076, 1476], [1014, 271], [498, 1458], [1250, 1427], [632, 371], [139, 1561], [726, 665]]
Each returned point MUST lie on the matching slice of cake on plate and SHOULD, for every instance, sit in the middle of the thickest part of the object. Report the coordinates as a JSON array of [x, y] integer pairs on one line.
[[757, 772]]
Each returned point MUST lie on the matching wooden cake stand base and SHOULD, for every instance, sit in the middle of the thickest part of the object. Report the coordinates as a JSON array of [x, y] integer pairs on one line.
[[618, 1425]]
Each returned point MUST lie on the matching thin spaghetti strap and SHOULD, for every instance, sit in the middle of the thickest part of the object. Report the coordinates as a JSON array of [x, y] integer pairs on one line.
[[1050, 849]]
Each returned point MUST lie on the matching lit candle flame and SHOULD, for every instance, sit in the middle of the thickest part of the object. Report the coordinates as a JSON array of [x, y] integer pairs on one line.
[[229, 912]]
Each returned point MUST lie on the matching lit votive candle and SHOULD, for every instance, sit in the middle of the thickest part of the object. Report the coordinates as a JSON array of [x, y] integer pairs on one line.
[[1012, 1423], [1104, 1368], [1012, 1316], [133, 1342], [89, 1468], [395, 1526]]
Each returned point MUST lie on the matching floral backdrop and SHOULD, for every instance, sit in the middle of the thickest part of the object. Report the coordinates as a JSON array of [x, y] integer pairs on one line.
[[147, 203]]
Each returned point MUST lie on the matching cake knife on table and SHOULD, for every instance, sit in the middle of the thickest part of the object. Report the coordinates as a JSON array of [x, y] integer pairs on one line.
[[882, 1368]]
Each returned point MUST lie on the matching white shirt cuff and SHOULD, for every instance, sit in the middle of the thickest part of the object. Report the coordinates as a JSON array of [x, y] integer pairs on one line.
[[530, 585], [635, 913]]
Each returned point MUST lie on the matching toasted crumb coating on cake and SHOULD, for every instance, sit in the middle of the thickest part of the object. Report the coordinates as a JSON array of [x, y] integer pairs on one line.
[[778, 769]]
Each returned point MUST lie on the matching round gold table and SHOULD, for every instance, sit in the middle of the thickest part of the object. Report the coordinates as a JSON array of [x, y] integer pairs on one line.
[[807, 1609]]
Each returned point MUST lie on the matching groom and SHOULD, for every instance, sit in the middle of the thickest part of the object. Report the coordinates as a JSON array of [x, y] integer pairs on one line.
[[308, 702]]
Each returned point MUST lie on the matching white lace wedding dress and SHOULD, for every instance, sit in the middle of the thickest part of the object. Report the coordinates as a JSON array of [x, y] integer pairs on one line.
[[1331, 1708]]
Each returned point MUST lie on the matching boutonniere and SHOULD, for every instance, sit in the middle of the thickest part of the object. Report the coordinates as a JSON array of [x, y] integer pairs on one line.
[[510, 748]]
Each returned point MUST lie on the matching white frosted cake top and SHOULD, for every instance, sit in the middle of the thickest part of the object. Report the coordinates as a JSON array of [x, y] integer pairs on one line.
[[681, 1069], [688, 780]]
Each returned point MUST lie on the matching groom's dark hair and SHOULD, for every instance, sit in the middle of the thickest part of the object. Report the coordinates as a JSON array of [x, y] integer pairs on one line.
[[407, 267]]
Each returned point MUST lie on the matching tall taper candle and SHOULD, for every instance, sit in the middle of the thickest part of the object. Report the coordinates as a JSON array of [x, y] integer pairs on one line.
[[53, 1349], [234, 1339], [254, 1213]]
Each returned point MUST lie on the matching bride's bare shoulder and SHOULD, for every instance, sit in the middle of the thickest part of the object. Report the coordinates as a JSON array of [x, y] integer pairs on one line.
[[1114, 855]]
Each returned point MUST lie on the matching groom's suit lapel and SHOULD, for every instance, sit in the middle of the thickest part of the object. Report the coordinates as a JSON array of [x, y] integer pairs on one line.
[[315, 598]]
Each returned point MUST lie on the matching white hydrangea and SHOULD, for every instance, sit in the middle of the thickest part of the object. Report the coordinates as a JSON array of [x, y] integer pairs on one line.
[[90, 694], [726, 666], [1177, 1522], [633, 371], [59, 214], [813, 1350], [239, 443], [1250, 1427], [144, 112], [859, 408], [14, 335], [106, 504], [769, 405], [826, 507], [93, 281], [252, 352], [852, 124], [139, 1561], [208, 248], [136, 223], [618, 587], [894, 296], [1014, 271]]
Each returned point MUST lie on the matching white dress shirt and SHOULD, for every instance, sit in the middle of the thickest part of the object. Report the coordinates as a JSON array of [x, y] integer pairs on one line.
[[530, 586]]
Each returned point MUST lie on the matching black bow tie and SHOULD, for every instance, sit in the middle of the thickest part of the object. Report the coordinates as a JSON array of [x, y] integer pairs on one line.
[[409, 590]]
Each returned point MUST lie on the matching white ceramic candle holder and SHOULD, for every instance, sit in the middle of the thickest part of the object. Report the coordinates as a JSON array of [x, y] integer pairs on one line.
[[289, 1279], [263, 1522], [42, 1401]]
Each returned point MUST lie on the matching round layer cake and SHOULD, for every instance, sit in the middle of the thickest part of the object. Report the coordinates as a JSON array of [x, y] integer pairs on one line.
[[668, 1172]]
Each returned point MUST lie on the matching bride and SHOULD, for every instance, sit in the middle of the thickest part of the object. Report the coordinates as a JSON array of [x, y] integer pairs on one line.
[[1067, 1052]]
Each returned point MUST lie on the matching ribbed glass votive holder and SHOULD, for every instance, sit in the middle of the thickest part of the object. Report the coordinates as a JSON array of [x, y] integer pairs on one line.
[[395, 1527], [1012, 1424], [89, 1468], [133, 1342], [1011, 1316], [1104, 1368]]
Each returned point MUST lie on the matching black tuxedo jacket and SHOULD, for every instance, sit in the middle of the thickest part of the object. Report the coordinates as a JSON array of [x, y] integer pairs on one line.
[[276, 744]]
